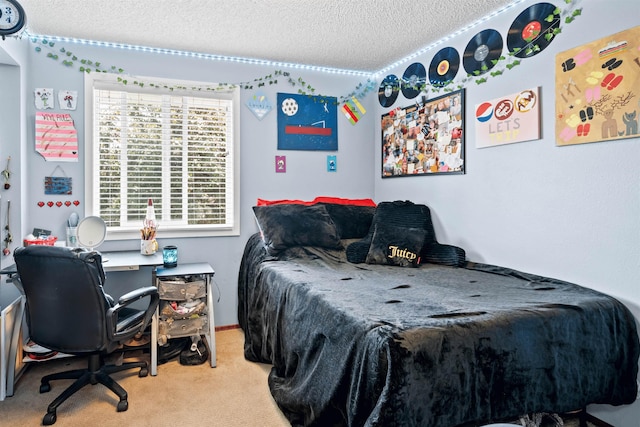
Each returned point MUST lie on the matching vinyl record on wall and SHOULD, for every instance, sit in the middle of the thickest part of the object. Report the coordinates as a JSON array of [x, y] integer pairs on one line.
[[533, 30], [413, 80], [389, 89], [444, 67], [484, 48]]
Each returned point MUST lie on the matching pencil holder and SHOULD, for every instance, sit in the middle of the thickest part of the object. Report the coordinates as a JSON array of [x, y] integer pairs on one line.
[[72, 237], [148, 247]]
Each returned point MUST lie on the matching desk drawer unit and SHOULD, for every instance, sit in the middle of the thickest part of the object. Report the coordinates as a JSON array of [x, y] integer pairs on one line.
[[182, 288], [175, 328], [185, 309]]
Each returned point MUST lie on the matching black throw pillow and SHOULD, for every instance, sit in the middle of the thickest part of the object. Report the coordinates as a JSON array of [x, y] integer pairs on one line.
[[398, 213], [284, 226], [394, 245], [406, 214]]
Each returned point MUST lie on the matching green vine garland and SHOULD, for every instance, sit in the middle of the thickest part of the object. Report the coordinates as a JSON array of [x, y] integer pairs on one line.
[[69, 59]]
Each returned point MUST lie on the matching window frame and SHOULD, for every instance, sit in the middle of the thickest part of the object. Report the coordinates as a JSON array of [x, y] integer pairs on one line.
[[111, 81]]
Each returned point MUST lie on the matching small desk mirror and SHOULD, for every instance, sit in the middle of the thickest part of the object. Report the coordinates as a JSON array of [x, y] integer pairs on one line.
[[92, 231]]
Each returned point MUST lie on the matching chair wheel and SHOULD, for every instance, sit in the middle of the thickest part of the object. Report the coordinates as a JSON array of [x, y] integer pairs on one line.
[[123, 405], [45, 387], [143, 372], [49, 418]]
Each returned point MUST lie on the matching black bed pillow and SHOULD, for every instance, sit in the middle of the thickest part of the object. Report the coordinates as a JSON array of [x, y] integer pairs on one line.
[[284, 226], [394, 245], [352, 221]]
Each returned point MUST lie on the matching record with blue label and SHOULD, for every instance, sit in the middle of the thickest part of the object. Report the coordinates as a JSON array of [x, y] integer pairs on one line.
[[444, 67], [482, 52], [413, 80], [389, 89], [533, 30]]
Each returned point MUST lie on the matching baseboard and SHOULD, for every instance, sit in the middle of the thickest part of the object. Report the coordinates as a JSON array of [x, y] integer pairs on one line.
[[584, 417], [597, 421], [227, 327]]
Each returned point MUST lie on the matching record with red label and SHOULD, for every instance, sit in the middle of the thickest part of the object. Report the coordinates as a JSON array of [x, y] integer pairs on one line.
[[389, 89], [444, 67], [482, 52], [533, 30], [413, 80]]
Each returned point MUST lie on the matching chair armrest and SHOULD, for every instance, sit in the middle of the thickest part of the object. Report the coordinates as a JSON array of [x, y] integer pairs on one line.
[[138, 294], [136, 320]]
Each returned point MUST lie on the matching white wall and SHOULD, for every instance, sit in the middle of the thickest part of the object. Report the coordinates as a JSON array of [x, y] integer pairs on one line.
[[10, 133], [306, 176], [570, 212], [12, 137]]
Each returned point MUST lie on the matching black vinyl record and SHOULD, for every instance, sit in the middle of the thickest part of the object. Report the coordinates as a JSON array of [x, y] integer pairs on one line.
[[444, 66], [533, 30], [413, 80], [482, 49], [389, 89]]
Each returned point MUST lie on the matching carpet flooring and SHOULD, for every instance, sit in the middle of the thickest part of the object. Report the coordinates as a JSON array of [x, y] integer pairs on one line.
[[234, 394]]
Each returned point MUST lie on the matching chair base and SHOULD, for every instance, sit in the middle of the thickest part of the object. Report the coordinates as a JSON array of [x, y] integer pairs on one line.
[[95, 373]]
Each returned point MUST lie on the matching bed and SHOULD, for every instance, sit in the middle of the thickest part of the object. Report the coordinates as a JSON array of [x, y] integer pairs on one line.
[[359, 340]]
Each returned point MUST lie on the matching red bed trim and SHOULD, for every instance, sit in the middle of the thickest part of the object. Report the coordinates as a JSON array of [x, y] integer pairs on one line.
[[320, 199]]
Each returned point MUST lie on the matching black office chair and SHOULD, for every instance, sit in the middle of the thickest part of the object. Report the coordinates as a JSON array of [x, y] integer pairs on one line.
[[69, 312]]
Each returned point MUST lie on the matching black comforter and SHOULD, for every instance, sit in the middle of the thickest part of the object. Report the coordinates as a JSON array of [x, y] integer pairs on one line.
[[359, 344]]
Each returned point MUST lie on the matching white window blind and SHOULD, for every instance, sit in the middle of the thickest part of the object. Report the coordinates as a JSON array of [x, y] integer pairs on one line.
[[175, 149]]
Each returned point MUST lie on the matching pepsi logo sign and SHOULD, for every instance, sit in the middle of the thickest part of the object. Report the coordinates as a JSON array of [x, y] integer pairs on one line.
[[484, 112], [504, 109]]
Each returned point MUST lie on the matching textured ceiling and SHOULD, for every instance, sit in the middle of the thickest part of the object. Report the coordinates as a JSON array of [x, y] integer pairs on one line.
[[365, 35]]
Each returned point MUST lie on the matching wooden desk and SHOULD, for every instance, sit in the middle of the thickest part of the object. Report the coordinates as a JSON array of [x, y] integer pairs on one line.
[[129, 260], [114, 261]]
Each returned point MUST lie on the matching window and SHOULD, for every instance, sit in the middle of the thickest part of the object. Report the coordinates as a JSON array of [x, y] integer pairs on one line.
[[163, 142]]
